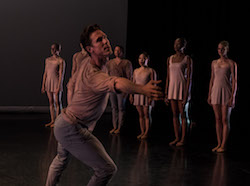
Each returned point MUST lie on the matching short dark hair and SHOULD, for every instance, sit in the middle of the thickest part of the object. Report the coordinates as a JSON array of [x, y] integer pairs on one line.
[[58, 46], [146, 55], [121, 47], [84, 38]]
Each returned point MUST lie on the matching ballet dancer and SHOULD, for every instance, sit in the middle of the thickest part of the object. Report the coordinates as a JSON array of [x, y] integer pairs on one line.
[[53, 81], [87, 106], [119, 67], [177, 88], [143, 104], [221, 96]]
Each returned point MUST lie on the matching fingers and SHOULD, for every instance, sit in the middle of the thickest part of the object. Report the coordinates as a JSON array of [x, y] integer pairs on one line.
[[153, 87], [157, 95], [155, 82]]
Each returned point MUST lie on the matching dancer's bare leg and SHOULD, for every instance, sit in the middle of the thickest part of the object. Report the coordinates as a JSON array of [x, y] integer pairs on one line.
[[114, 107], [141, 120], [56, 99], [183, 124], [60, 101], [218, 119], [174, 107], [146, 122], [51, 108], [226, 112]]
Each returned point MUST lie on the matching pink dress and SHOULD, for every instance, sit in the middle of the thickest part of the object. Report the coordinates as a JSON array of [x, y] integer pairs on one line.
[[222, 88], [177, 79], [142, 76], [52, 79]]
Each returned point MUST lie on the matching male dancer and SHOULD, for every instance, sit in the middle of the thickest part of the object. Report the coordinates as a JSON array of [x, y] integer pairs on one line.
[[87, 106], [119, 67]]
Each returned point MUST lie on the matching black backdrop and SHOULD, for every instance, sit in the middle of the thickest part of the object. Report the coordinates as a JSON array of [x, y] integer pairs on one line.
[[29, 27], [154, 25]]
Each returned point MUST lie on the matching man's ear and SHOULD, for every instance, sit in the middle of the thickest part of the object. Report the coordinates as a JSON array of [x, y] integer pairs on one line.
[[89, 49]]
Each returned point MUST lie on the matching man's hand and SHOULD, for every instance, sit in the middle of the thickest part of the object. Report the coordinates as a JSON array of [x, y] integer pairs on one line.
[[152, 91]]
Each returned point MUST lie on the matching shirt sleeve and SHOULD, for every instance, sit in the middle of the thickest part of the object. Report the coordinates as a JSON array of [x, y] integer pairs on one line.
[[129, 70], [101, 82]]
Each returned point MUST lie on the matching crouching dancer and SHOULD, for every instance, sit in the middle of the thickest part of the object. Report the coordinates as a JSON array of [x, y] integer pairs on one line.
[[87, 106]]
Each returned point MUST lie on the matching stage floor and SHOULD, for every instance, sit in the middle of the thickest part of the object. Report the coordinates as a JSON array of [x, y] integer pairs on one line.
[[27, 148]]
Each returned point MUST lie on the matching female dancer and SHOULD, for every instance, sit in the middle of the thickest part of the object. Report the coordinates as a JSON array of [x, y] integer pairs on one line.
[[53, 81], [143, 104], [177, 87], [222, 90]]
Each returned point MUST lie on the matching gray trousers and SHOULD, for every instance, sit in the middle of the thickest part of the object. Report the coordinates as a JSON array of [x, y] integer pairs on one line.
[[118, 103], [79, 142]]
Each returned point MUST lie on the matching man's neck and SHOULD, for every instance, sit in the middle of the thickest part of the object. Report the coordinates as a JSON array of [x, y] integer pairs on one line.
[[118, 60], [98, 61]]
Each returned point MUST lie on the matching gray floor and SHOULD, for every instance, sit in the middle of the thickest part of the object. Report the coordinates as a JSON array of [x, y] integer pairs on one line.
[[27, 148]]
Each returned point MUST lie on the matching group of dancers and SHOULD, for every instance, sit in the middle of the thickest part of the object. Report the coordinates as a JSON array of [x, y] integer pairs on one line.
[[95, 78]]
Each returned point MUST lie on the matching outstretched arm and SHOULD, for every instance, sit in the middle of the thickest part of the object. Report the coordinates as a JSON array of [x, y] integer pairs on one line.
[[149, 90]]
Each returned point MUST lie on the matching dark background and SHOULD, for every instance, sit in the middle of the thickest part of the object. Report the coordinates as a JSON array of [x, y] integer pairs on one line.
[[28, 28], [154, 25]]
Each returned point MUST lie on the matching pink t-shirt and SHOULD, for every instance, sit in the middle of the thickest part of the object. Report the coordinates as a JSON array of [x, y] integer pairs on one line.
[[91, 98]]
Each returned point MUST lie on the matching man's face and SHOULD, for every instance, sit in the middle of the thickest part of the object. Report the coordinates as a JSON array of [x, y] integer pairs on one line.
[[100, 44], [118, 52]]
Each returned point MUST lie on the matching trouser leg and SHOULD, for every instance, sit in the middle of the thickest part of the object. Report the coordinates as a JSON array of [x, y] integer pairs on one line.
[[57, 166], [89, 150], [122, 109], [114, 107]]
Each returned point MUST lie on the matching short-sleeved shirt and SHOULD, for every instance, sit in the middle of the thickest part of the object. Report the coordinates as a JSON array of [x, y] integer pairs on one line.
[[123, 69], [91, 98]]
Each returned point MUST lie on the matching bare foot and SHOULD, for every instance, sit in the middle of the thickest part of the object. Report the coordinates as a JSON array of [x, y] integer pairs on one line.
[[113, 130], [48, 124], [139, 136], [173, 142], [220, 150], [180, 143], [117, 131], [144, 136], [216, 148]]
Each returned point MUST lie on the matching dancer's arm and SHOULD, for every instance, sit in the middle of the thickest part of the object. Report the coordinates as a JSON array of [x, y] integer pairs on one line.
[[61, 68], [189, 70], [149, 90], [44, 78], [234, 83], [167, 83], [211, 83]]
